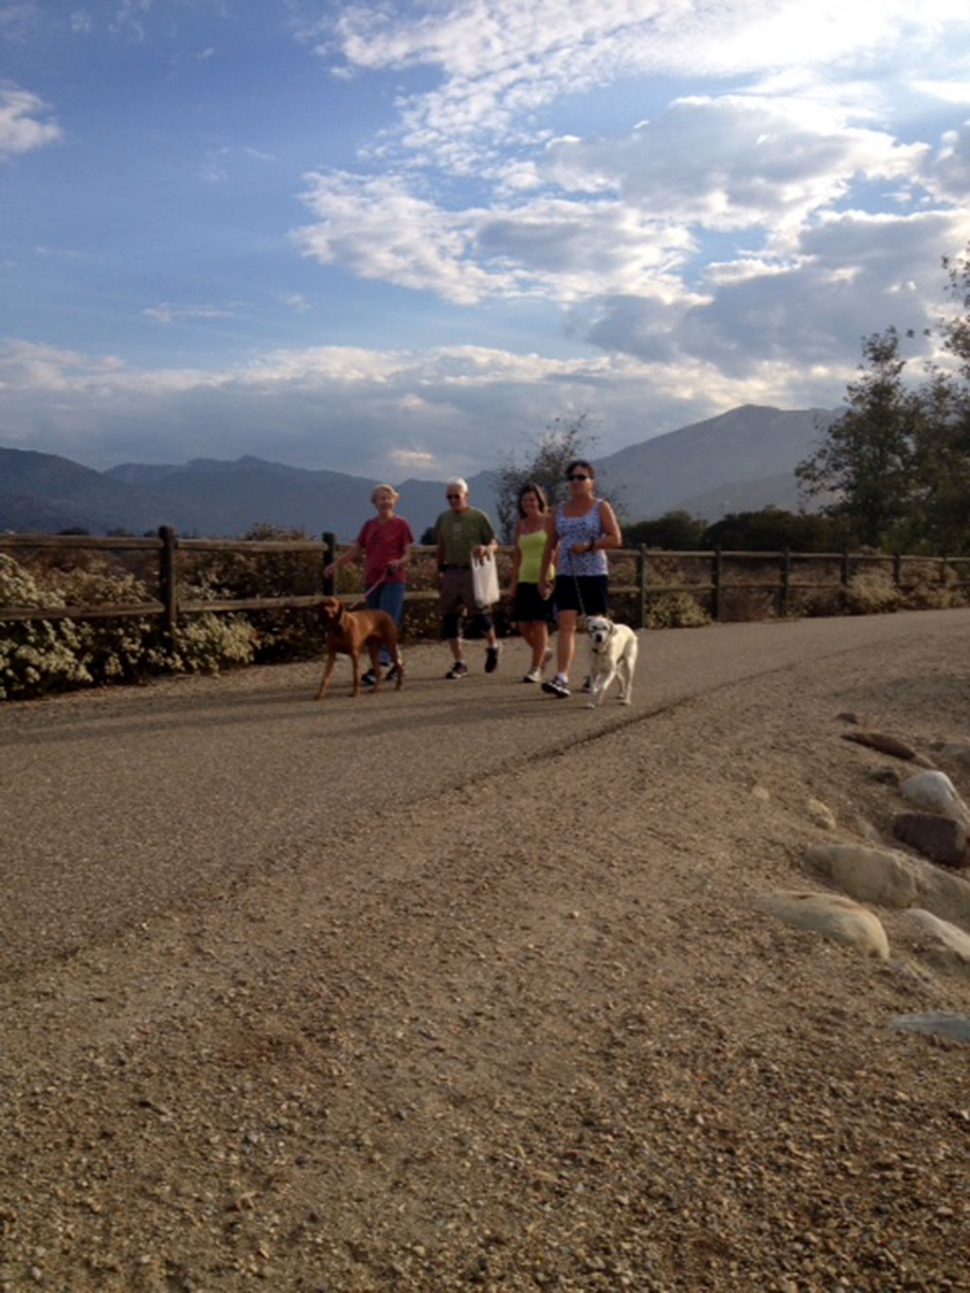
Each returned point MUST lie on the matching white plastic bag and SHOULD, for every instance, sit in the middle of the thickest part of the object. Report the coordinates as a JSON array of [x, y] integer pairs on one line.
[[485, 583]]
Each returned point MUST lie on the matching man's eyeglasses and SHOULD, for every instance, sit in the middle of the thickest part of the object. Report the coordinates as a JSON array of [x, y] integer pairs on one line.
[[577, 475], [451, 497]]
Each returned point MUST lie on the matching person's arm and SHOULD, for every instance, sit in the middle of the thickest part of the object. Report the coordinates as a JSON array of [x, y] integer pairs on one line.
[[552, 547], [407, 546], [516, 559], [484, 550], [353, 553], [611, 537]]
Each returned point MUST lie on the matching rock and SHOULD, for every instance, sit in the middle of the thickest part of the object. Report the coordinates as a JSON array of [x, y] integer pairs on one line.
[[830, 914], [941, 839], [950, 946], [945, 895], [934, 792], [958, 751], [882, 876], [955, 1026], [821, 814], [883, 742], [887, 776]]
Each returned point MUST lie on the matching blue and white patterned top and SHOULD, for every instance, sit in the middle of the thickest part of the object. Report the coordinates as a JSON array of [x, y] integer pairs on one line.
[[580, 529]]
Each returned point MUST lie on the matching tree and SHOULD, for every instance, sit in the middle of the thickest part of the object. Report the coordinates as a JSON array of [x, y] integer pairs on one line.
[[773, 528], [560, 443], [867, 457], [675, 531], [898, 460]]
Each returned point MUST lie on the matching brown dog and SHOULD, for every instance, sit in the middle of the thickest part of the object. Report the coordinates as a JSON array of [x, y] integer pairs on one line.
[[348, 632]]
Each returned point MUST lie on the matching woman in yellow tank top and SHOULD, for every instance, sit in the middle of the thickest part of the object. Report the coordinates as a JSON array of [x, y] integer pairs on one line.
[[532, 612]]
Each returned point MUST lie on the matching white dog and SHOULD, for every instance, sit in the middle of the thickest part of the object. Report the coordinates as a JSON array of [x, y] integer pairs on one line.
[[612, 654]]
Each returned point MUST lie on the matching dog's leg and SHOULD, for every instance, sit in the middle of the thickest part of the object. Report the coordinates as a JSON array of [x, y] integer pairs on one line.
[[374, 647], [629, 664], [626, 681], [355, 662], [327, 671]]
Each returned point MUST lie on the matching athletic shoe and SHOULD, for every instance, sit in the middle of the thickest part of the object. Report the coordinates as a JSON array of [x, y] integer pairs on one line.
[[491, 659], [558, 687], [587, 687], [391, 673], [368, 678], [457, 670], [534, 675]]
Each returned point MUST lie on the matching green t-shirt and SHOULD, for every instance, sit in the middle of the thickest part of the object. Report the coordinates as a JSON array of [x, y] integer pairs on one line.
[[459, 532]]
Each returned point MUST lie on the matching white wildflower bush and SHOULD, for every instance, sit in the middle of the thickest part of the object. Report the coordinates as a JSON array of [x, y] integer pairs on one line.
[[40, 656], [35, 655], [209, 643], [235, 576], [872, 592]]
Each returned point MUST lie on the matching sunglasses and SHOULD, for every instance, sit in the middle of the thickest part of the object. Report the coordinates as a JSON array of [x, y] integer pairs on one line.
[[577, 475], [451, 497]]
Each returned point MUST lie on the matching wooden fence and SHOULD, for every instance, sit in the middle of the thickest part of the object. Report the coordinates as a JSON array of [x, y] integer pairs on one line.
[[638, 573]]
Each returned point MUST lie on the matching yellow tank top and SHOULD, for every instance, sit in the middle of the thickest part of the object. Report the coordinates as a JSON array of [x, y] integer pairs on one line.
[[532, 546]]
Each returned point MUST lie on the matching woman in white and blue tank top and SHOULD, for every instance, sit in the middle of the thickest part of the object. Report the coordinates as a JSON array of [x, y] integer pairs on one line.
[[583, 528]]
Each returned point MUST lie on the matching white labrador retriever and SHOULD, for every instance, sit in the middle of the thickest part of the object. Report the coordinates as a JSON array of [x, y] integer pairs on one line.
[[612, 654]]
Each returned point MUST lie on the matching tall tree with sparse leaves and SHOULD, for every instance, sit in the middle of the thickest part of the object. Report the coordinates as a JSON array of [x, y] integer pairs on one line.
[[559, 444], [898, 459]]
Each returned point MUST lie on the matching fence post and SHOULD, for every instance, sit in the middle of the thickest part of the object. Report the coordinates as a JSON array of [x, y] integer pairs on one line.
[[329, 557], [167, 581], [785, 580], [643, 585], [716, 586]]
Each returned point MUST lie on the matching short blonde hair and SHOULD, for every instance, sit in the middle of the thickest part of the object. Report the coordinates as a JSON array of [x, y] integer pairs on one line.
[[384, 489], [456, 482]]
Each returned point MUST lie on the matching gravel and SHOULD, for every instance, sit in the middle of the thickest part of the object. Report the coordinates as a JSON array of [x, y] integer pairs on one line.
[[495, 1009]]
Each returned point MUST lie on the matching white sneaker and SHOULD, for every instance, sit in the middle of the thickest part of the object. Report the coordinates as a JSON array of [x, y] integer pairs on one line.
[[534, 675]]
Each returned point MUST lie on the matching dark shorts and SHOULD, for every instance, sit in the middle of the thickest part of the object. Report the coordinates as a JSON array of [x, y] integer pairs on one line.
[[586, 594], [530, 608]]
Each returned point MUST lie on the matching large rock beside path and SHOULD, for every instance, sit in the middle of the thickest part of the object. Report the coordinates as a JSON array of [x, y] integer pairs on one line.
[[830, 914]]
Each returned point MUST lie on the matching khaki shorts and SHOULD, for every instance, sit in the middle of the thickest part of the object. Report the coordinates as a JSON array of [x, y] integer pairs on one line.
[[457, 590]]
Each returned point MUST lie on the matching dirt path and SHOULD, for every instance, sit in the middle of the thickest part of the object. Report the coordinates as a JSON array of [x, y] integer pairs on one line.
[[484, 1004]]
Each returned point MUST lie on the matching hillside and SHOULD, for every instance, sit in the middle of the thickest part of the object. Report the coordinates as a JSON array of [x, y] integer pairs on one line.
[[738, 461]]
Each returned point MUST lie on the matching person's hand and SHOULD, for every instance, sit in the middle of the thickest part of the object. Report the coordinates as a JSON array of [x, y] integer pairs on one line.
[[579, 548], [482, 551], [392, 567], [328, 570]]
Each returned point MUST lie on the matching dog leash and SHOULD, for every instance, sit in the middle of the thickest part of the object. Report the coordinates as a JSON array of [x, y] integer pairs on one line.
[[362, 600]]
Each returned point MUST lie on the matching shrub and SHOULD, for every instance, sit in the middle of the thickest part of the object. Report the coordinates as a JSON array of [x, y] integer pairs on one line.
[[872, 592], [675, 611]]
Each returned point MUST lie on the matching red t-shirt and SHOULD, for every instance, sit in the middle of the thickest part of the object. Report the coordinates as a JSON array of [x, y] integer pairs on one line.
[[382, 542]]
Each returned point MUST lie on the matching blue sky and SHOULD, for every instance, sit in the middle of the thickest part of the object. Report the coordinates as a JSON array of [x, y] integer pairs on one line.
[[401, 239]]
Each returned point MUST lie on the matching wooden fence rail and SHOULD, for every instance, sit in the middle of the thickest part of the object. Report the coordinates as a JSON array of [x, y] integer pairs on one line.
[[782, 586]]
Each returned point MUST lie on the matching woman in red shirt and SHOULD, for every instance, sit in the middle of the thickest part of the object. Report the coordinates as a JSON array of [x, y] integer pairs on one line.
[[385, 543]]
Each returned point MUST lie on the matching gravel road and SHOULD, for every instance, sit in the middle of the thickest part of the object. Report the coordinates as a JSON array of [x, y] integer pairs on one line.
[[118, 805], [463, 987]]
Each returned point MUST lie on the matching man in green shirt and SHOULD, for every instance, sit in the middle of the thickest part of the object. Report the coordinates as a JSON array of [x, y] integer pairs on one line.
[[463, 534]]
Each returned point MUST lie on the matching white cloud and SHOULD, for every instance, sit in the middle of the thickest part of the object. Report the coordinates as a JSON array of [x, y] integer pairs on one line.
[[357, 410], [167, 313], [502, 64], [23, 123]]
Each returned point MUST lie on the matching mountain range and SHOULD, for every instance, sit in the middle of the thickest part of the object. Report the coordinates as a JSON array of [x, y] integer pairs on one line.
[[739, 461]]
